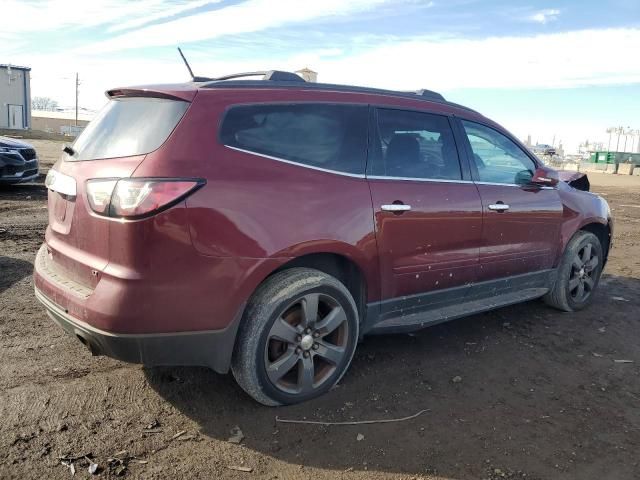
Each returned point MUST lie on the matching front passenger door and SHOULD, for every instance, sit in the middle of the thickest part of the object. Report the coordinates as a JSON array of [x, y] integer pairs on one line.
[[521, 221]]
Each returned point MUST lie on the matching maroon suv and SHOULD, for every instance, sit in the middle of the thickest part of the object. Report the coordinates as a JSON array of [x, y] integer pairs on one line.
[[267, 225]]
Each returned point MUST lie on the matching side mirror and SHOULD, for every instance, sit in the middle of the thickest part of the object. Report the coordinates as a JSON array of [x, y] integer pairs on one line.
[[545, 176]]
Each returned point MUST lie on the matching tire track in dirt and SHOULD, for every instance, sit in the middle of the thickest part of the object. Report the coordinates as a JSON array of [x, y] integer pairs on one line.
[[51, 402]]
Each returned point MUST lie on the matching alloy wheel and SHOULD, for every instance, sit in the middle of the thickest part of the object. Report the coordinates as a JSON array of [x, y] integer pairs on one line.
[[306, 344], [584, 268]]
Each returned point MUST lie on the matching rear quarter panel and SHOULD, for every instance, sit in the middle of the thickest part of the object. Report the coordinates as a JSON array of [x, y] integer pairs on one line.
[[259, 208]]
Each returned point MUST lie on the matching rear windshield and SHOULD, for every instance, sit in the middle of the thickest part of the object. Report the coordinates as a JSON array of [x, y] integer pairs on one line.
[[128, 126], [332, 137]]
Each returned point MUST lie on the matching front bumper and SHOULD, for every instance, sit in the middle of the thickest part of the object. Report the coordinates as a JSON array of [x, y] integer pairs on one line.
[[19, 177], [211, 349], [15, 169]]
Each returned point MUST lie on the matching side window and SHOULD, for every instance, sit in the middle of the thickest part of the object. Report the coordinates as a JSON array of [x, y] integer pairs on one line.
[[499, 159], [319, 135], [414, 145]]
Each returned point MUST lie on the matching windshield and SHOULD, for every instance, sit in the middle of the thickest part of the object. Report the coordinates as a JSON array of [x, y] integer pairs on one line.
[[128, 126]]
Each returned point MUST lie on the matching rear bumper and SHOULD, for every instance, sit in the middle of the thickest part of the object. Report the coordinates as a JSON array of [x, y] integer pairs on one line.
[[169, 293], [211, 349]]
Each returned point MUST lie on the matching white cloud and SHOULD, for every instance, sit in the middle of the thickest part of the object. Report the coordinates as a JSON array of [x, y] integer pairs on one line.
[[161, 13], [544, 16], [562, 60], [43, 15], [572, 59], [245, 17]]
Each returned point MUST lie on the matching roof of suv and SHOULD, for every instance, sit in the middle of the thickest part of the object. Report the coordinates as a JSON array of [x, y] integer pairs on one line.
[[279, 79], [284, 80]]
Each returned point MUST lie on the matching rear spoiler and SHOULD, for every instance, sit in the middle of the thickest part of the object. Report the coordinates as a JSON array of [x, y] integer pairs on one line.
[[184, 95]]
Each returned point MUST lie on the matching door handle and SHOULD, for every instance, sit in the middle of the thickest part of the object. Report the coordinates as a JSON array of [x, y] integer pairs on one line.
[[396, 207], [498, 207]]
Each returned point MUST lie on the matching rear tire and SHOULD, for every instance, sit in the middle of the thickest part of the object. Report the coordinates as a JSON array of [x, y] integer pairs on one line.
[[578, 273], [297, 337]]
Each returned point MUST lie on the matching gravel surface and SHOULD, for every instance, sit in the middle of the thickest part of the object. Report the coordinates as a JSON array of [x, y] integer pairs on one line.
[[521, 392]]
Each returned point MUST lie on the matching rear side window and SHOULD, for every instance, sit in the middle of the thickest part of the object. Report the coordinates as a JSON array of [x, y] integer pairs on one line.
[[332, 137], [414, 145], [128, 126]]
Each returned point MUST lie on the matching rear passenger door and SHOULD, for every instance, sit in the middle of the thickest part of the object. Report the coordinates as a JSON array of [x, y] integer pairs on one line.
[[428, 214]]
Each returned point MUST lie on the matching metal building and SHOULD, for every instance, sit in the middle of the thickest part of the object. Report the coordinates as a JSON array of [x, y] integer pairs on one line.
[[15, 97]]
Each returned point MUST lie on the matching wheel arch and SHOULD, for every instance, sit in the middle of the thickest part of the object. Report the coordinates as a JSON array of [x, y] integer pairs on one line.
[[603, 232], [356, 268], [339, 266]]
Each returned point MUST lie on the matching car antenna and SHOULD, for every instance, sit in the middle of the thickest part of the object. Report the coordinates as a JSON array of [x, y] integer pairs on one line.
[[193, 77]]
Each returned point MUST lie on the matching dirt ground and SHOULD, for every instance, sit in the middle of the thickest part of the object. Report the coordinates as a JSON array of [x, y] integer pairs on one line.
[[541, 394]]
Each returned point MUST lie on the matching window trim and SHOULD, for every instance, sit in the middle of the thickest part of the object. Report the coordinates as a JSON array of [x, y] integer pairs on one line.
[[411, 179], [469, 152], [465, 176], [297, 164]]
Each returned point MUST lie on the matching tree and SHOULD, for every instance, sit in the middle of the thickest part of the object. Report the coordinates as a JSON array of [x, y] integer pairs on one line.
[[44, 103]]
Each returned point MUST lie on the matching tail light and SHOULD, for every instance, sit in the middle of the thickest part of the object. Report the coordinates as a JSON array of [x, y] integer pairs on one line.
[[99, 194], [134, 198]]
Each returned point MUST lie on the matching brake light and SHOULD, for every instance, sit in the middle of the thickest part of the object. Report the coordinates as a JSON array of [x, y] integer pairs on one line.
[[99, 194], [137, 198]]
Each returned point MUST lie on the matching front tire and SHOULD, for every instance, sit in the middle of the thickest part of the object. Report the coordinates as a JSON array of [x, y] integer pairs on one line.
[[297, 337], [578, 273]]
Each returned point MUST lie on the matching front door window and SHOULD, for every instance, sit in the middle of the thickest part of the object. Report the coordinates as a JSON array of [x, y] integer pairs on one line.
[[497, 158]]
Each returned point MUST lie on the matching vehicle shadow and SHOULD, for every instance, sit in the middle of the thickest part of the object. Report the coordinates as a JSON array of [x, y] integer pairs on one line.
[[36, 190], [13, 270], [522, 389]]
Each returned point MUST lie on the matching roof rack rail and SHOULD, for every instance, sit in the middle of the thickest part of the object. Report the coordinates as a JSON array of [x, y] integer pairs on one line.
[[273, 75], [299, 82]]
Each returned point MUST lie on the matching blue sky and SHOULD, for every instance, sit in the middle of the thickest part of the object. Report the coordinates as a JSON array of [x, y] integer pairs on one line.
[[561, 68]]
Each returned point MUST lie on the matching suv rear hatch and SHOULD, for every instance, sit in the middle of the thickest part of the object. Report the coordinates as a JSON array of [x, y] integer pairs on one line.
[[134, 123]]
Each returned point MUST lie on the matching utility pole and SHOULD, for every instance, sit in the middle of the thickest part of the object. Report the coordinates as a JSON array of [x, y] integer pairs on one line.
[[77, 85], [624, 149], [632, 133], [618, 131], [627, 132]]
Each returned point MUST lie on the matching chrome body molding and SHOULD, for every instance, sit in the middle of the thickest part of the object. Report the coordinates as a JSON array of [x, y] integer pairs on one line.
[[376, 177], [395, 207], [277, 159], [411, 179]]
